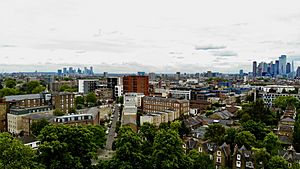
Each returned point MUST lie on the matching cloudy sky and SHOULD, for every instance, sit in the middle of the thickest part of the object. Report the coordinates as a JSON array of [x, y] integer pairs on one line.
[[152, 35]]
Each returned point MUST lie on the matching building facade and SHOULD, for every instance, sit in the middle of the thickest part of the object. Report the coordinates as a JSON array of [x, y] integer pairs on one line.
[[136, 84], [159, 104]]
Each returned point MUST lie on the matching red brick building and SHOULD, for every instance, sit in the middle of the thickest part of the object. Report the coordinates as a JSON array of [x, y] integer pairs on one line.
[[136, 84]]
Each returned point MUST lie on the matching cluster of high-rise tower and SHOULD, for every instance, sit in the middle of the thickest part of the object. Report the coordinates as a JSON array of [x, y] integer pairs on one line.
[[273, 69]]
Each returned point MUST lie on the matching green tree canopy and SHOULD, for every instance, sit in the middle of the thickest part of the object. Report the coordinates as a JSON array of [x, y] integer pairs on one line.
[[8, 92], [277, 162], [215, 133], [272, 143], [14, 154], [37, 126], [200, 160], [10, 83], [79, 100], [91, 98], [245, 138], [68, 147], [261, 156], [284, 101], [257, 128], [58, 112], [167, 150]]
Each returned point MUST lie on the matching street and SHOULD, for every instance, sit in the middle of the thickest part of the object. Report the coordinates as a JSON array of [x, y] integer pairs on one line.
[[111, 135]]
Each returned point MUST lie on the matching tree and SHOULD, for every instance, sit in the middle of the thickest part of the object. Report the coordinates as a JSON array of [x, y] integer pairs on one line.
[[167, 150], [91, 98], [200, 160], [272, 143], [10, 83], [257, 128], [245, 138], [296, 134], [258, 112], [284, 101], [128, 150], [79, 100], [8, 92], [14, 154], [98, 135], [38, 89], [68, 147], [230, 136], [261, 156], [58, 112], [277, 162], [37, 126], [72, 110], [215, 133], [120, 100]]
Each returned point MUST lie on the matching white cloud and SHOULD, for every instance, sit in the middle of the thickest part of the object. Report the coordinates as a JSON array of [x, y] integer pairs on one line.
[[153, 34]]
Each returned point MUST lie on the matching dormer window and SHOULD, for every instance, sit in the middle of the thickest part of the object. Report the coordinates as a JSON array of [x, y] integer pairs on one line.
[[238, 164], [218, 153], [200, 149], [238, 157]]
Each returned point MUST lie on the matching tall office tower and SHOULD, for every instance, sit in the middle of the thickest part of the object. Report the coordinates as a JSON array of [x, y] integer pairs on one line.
[[79, 71], [65, 70], [276, 67], [59, 72], [298, 72], [282, 65], [136, 84], [288, 68], [105, 74], [241, 72], [70, 70], [91, 70], [177, 75], [254, 69], [260, 69], [85, 70], [273, 69], [292, 69]]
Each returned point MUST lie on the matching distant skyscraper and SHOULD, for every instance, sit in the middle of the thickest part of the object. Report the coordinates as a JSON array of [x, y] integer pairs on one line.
[[288, 68], [282, 64], [241, 72], [105, 74], [71, 70], [91, 70], [254, 69], [59, 72], [65, 70], [276, 72], [298, 72]]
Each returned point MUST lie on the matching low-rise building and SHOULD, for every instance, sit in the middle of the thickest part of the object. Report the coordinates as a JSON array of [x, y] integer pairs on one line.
[[63, 101], [159, 104], [15, 118], [74, 119]]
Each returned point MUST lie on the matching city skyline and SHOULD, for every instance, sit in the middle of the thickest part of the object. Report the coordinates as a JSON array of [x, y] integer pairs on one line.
[[149, 36]]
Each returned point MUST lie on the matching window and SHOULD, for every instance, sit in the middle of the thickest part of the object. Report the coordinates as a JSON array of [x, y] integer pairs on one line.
[[210, 157], [238, 157], [200, 149], [219, 153], [219, 159], [238, 164]]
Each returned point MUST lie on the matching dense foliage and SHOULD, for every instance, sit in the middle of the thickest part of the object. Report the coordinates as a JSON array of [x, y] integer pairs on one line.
[[154, 148]]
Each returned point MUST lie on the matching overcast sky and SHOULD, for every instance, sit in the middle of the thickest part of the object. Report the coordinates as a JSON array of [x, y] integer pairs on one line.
[[152, 35]]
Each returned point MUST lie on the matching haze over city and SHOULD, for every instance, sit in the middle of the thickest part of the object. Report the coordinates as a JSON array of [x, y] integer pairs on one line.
[[158, 36]]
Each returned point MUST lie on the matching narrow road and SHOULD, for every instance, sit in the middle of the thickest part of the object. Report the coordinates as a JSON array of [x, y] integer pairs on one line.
[[111, 135]]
